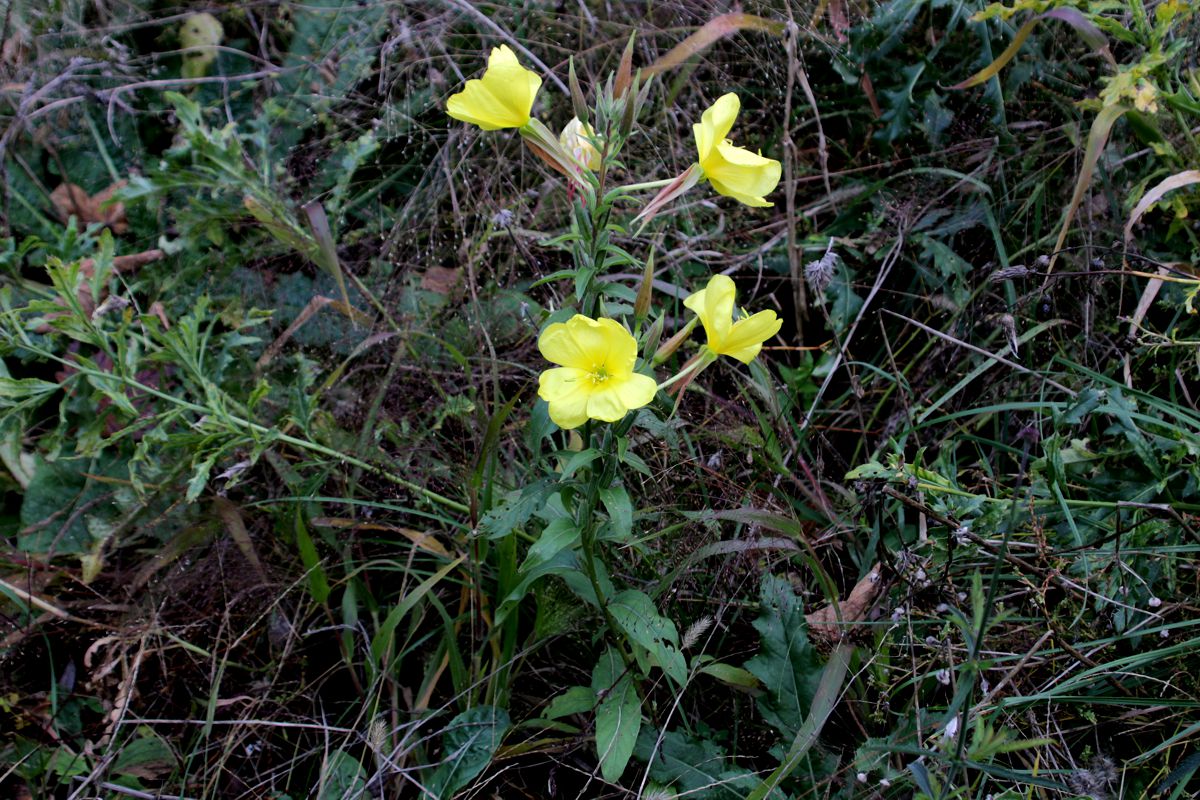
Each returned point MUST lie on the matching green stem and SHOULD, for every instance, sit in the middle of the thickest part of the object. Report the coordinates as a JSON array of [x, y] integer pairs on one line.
[[587, 538], [637, 187]]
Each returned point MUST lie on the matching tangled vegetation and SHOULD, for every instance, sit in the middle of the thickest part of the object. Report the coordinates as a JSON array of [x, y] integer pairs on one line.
[[813, 417]]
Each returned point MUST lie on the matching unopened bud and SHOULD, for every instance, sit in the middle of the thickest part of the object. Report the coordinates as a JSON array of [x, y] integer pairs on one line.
[[641, 306], [672, 344], [653, 335], [625, 70], [578, 104], [631, 107]]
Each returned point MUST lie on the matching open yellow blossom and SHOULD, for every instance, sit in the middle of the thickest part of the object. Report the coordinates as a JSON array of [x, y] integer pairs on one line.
[[595, 377], [742, 339], [502, 98], [576, 139], [733, 171]]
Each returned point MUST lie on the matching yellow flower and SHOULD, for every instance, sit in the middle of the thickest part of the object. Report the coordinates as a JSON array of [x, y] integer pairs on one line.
[[733, 171], [742, 339], [575, 140], [595, 377], [1145, 99], [502, 98]]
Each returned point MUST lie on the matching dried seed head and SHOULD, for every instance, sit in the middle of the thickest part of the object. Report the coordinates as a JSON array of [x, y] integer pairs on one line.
[[695, 632], [819, 273], [1008, 273]]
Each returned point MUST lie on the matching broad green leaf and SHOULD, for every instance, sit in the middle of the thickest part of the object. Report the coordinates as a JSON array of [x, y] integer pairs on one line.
[[560, 534], [828, 690], [342, 777], [516, 510], [729, 674], [696, 768], [636, 615], [620, 512], [618, 717], [787, 665], [575, 700], [468, 745]]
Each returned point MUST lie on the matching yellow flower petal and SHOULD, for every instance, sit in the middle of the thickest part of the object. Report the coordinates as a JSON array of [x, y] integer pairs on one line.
[[596, 379], [733, 171], [576, 139], [714, 305], [747, 177], [637, 391], [502, 98], [560, 383], [715, 124], [742, 339], [746, 337], [570, 411]]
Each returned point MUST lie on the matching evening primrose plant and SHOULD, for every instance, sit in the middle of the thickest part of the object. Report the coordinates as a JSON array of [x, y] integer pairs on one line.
[[601, 380]]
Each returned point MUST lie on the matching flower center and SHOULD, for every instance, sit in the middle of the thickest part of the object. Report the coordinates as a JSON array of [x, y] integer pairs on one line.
[[599, 374]]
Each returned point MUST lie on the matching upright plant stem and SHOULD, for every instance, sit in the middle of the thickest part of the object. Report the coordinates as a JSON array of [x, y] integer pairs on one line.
[[587, 538]]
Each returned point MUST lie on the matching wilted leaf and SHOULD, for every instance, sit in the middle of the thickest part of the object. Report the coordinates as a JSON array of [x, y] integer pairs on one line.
[[829, 620], [1087, 31], [715, 29], [441, 280], [70, 200], [1176, 181]]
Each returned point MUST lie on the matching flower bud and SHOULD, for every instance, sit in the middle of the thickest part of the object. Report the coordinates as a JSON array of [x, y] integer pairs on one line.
[[578, 104], [576, 138], [641, 306]]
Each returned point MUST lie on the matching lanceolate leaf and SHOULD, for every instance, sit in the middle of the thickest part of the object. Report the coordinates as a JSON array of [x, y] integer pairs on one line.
[[1084, 27], [618, 717], [1097, 139], [1176, 181], [715, 29], [826, 697]]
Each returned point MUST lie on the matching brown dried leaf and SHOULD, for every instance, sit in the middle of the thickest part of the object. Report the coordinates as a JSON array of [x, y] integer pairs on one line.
[[71, 200], [443, 280], [825, 622], [711, 32]]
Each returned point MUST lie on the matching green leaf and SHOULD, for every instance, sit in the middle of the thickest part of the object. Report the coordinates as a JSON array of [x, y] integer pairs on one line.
[[696, 768], [731, 675], [575, 700], [620, 512], [825, 699], [318, 583], [516, 511], [342, 776], [787, 665], [16, 391], [559, 535], [199, 478], [618, 717], [635, 613], [52, 502], [468, 744]]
